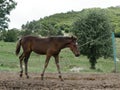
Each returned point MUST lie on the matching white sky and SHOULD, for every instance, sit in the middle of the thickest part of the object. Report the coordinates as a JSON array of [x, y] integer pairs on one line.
[[29, 10]]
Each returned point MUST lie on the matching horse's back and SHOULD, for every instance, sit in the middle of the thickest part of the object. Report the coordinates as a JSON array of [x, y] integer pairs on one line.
[[36, 44], [29, 38], [44, 45]]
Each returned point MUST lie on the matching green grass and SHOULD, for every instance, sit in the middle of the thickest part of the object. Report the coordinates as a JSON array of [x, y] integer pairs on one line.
[[10, 62]]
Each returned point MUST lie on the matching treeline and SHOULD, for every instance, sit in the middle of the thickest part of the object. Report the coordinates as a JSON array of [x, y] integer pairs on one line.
[[58, 24]]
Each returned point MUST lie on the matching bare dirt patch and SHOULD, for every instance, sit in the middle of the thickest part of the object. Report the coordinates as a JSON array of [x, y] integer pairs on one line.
[[72, 81]]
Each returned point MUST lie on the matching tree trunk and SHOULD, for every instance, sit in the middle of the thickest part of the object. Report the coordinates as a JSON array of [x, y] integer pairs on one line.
[[92, 58], [93, 62]]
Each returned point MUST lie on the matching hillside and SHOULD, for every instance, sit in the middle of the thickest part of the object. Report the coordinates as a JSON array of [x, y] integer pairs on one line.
[[63, 21]]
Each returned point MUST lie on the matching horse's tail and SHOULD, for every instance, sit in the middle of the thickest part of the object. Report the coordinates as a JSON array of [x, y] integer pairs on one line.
[[18, 47]]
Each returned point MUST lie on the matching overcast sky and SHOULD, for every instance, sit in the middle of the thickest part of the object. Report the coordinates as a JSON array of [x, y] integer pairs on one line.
[[29, 10]]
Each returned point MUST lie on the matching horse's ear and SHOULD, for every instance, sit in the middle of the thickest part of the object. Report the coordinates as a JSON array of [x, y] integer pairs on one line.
[[73, 38]]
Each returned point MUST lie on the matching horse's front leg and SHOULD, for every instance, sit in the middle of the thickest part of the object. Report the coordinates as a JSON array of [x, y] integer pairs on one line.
[[45, 66], [58, 67]]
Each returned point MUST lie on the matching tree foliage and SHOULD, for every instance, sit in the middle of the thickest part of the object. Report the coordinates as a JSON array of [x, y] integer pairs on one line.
[[58, 23], [93, 30], [53, 25], [5, 8], [10, 35], [61, 23]]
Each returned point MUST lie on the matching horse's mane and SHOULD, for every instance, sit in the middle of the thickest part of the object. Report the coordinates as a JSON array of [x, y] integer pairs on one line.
[[59, 38]]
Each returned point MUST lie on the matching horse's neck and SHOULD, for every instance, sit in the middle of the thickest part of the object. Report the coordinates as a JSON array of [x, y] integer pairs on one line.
[[60, 42], [63, 44]]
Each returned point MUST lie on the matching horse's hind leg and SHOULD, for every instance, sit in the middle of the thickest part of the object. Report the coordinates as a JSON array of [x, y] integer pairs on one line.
[[21, 67], [26, 62]]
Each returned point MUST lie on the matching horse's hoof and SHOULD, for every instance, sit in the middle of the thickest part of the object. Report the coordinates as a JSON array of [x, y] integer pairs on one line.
[[62, 80], [41, 78], [20, 75], [27, 77]]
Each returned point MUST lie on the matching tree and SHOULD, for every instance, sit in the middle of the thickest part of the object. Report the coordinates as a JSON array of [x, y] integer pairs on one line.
[[5, 8], [10, 35], [93, 30], [49, 28]]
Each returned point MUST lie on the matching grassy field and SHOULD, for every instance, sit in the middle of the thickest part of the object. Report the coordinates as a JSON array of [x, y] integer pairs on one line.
[[10, 62]]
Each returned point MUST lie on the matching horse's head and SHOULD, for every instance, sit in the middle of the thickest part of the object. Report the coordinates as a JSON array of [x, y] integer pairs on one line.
[[73, 45]]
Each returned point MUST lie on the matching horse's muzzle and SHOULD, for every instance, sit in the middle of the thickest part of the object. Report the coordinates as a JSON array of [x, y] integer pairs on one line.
[[77, 55]]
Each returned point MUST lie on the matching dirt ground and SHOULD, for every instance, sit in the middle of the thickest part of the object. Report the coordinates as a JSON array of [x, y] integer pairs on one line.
[[72, 81]]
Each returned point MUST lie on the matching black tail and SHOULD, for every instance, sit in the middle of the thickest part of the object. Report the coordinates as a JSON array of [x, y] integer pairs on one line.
[[18, 47]]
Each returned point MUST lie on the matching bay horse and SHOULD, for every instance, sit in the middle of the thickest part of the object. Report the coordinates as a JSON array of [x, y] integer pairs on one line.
[[50, 46]]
